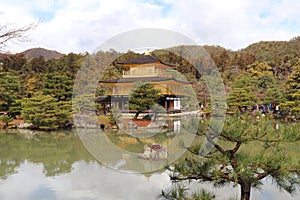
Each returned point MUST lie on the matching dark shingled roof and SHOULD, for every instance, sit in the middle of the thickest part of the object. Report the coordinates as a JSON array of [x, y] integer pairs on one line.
[[145, 59], [142, 79], [103, 99]]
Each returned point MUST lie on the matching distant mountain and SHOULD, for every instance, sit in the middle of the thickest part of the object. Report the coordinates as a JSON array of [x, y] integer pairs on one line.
[[37, 52]]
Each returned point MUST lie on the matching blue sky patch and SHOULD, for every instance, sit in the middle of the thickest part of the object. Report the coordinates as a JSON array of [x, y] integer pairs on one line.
[[290, 25], [165, 6], [264, 15], [43, 16]]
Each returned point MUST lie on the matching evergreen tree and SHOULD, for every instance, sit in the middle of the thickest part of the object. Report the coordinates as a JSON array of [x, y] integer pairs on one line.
[[6, 120], [58, 86], [180, 192], [242, 92], [9, 90], [45, 112], [142, 97], [274, 95], [293, 92], [31, 85]]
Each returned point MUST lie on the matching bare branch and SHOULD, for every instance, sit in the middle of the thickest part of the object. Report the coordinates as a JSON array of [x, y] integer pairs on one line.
[[9, 32]]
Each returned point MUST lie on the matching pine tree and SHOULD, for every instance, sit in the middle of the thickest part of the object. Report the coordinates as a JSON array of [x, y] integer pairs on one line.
[[142, 97], [292, 102], [242, 92], [9, 90], [45, 112], [247, 152], [58, 86]]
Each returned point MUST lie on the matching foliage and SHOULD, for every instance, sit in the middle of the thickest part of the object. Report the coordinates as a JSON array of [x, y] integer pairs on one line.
[[274, 95], [262, 67], [12, 62], [9, 88], [142, 97], [58, 86], [180, 192], [258, 69], [293, 92], [45, 112], [183, 67], [31, 85], [231, 161], [6, 120], [242, 92], [84, 103], [15, 109]]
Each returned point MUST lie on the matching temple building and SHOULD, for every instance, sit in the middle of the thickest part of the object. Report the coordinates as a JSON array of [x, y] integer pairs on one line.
[[145, 68]]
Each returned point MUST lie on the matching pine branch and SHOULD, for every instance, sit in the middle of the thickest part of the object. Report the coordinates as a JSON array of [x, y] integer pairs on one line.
[[218, 147]]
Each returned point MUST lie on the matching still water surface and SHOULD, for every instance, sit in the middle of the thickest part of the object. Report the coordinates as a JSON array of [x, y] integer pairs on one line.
[[57, 166]]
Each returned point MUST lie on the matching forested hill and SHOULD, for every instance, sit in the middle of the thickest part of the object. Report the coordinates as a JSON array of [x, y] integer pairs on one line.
[[268, 51]]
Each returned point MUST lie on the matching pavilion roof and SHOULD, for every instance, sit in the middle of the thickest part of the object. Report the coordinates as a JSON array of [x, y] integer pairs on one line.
[[143, 79]]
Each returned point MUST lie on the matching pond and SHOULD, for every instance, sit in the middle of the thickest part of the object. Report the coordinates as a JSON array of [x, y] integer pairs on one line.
[[57, 165]]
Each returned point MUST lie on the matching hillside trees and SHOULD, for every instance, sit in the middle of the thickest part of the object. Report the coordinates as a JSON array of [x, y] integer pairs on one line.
[[12, 62]]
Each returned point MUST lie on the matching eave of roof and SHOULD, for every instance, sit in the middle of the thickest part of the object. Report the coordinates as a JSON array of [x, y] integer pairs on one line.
[[103, 99], [143, 79], [145, 59]]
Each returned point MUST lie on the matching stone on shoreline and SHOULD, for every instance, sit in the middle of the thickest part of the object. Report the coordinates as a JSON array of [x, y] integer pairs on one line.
[[25, 125]]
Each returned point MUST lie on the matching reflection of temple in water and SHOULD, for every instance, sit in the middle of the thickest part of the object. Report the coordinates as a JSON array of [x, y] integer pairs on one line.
[[134, 139], [125, 146]]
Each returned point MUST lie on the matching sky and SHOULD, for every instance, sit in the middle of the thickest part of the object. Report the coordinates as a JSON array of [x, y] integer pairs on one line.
[[82, 25]]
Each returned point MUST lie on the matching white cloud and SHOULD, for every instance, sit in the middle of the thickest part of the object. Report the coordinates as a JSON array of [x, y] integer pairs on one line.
[[95, 181], [78, 25], [234, 24]]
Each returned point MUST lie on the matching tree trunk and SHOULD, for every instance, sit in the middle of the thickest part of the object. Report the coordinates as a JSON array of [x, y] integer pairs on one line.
[[6, 125], [245, 191], [136, 115]]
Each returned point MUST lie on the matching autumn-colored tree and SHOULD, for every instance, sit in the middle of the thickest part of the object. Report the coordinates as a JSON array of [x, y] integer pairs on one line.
[[258, 69], [12, 62], [292, 102], [31, 86]]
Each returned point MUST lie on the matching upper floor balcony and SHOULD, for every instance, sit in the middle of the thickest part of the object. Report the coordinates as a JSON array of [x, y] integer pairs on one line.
[[146, 72]]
